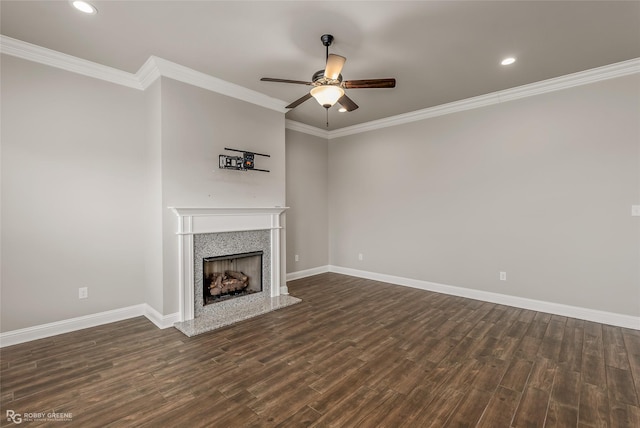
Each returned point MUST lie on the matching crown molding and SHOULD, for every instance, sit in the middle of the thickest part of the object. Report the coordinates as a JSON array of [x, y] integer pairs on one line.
[[414, 116], [306, 129], [150, 71], [606, 72], [56, 59], [155, 67], [196, 78], [611, 71]]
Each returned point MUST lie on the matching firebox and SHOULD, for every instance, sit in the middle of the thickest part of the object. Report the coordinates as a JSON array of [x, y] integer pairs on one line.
[[229, 276]]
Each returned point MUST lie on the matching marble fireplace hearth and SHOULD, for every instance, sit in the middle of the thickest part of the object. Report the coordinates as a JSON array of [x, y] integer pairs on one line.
[[213, 232], [231, 315]]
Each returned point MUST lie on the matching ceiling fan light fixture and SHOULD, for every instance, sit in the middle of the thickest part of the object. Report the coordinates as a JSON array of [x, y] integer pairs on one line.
[[327, 95], [334, 66], [328, 86]]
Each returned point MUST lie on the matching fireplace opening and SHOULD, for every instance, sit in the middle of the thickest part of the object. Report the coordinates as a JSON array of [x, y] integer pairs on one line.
[[234, 275]]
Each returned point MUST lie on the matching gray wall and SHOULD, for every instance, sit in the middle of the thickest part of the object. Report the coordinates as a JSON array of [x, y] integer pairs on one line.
[[196, 127], [153, 286], [88, 171], [73, 172], [541, 188], [307, 199]]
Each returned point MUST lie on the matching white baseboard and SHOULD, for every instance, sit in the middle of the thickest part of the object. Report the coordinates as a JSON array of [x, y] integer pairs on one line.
[[161, 321], [73, 324], [65, 326], [610, 318], [308, 272], [165, 321]]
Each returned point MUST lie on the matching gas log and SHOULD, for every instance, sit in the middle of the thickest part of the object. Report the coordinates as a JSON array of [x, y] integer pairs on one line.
[[227, 282]]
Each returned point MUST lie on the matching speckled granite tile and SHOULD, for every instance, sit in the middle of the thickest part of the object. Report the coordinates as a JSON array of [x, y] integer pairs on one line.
[[226, 315], [227, 312], [222, 244]]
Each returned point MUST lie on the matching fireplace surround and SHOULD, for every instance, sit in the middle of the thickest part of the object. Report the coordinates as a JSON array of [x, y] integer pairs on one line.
[[212, 232], [220, 244]]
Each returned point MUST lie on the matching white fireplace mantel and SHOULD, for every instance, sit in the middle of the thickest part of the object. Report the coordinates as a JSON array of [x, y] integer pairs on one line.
[[216, 220], [193, 221]]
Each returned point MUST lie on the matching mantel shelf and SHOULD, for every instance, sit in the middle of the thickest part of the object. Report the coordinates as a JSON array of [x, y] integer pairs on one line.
[[211, 211]]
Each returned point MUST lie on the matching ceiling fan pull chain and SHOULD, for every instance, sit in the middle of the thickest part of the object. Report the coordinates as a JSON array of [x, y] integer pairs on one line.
[[327, 117]]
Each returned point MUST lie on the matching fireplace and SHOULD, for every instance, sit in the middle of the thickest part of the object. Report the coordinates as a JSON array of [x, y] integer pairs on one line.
[[229, 276], [210, 233], [214, 232]]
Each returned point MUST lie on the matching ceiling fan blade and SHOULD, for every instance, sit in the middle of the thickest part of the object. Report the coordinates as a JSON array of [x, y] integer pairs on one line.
[[270, 79], [334, 66], [347, 103], [299, 101], [369, 83]]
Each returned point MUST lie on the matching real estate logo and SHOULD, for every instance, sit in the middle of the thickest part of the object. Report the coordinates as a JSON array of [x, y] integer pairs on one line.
[[18, 418], [14, 417]]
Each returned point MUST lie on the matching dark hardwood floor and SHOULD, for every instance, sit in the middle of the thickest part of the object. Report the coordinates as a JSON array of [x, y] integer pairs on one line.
[[354, 353]]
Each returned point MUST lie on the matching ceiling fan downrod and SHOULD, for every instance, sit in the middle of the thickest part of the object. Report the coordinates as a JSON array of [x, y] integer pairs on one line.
[[327, 39]]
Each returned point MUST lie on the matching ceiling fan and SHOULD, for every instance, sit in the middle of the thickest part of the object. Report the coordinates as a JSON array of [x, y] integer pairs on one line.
[[328, 86]]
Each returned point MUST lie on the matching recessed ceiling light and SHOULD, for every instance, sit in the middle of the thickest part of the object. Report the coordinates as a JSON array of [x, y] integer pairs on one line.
[[508, 61], [85, 7], [342, 109]]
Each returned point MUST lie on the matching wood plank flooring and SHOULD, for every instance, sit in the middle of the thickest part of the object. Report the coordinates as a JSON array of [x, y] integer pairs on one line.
[[354, 353]]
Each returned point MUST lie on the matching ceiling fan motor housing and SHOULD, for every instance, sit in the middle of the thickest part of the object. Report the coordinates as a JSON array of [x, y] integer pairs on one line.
[[319, 79]]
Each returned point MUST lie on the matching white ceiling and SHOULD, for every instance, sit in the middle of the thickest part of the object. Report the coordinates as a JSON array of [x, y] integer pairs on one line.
[[439, 51]]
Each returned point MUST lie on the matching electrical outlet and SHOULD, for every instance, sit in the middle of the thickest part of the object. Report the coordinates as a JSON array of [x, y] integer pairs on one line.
[[297, 257], [503, 276], [83, 293], [360, 257]]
